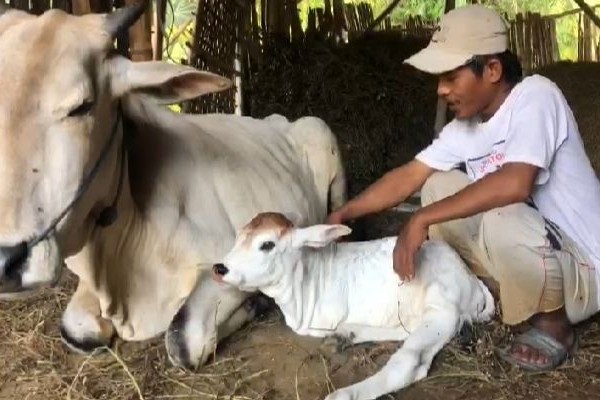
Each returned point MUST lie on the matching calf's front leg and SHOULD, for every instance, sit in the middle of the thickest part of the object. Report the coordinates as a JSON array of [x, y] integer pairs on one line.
[[351, 334], [411, 362]]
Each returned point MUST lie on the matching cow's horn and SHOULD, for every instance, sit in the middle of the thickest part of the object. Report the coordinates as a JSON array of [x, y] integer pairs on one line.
[[122, 18]]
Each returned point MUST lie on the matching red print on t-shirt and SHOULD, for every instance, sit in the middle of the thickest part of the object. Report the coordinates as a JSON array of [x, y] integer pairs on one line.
[[490, 162]]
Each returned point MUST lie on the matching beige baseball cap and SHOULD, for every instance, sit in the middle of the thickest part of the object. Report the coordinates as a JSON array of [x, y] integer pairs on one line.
[[461, 34]]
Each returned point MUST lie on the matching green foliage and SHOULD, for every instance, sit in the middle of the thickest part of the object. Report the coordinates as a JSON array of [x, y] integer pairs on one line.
[[180, 18], [566, 27], [178, 21]]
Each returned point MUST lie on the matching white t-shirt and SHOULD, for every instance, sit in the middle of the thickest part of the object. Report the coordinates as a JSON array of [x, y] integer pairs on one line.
[[534, 125]]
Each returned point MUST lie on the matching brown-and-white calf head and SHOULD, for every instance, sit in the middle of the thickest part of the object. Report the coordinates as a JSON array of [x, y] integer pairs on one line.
[[267, 248], [59, 128]]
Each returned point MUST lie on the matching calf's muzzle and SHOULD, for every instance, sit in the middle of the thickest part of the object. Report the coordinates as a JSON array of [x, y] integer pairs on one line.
[[220, 269]]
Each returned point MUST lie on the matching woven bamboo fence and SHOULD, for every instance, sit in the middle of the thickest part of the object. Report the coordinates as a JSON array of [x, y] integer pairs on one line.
[[588, 48], [533, 38], [416, 26], [230, 35], [214, 49]]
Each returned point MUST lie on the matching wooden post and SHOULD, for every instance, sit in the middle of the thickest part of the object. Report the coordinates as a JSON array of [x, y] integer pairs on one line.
[[339, 20], [295, 23], [159, 28], [587, 40], [140, 35], [81, 7], [441, 109], [440, 115]]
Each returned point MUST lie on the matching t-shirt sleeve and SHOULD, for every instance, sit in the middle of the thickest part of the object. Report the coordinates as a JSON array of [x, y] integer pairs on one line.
[[444, 153], [537, 128]]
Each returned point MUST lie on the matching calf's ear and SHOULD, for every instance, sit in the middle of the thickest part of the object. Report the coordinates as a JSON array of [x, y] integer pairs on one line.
[[318, 235]]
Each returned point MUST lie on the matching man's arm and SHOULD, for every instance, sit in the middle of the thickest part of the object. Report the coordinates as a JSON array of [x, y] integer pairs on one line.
[[388, 191], [512, 183]]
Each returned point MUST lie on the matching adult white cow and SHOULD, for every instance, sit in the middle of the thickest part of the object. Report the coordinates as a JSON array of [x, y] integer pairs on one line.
[[84, 134]]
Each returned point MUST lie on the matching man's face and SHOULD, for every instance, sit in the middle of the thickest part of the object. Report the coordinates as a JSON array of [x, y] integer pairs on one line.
[[467, 94]]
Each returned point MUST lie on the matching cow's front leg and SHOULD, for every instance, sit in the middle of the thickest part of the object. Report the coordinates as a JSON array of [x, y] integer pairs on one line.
[[211, 313], [82, 328]]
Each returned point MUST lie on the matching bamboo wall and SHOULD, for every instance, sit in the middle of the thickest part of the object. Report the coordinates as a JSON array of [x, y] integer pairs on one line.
[[533, 38], [226, 28], [214, 49], [588, 45]]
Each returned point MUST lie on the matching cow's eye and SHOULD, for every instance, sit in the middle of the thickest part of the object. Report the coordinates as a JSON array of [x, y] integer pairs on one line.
[[83, 109], [267, 246]]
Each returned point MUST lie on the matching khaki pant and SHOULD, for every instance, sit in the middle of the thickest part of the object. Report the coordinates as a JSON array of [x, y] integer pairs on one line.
[[535, 265]]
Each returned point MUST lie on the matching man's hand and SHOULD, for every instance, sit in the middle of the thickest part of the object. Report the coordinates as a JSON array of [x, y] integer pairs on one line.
[[409, 241], [389, 190], [336, 217], [511, 184]]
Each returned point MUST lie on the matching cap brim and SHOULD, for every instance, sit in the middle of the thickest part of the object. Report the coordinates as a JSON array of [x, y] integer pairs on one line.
[[435, 60]]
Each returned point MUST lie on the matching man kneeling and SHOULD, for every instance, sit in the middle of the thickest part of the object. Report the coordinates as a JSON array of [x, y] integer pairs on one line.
[[525, 215]]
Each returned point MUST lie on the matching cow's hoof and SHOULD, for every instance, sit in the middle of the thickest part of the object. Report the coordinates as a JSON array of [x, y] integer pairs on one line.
[[335, 343], [86, 333], [175, 343], [187, 348], [85, 345]]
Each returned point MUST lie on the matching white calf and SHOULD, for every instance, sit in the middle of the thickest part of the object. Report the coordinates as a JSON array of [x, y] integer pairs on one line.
[[351, 289]]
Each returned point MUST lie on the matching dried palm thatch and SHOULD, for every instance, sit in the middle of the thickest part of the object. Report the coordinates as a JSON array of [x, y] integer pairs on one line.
[[381, 110], [579, 82]]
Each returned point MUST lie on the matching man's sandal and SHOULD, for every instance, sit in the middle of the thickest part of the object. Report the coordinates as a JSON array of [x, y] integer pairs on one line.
[[545, 344]]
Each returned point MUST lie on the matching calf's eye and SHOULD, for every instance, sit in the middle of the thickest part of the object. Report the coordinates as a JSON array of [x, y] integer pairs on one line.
[[267, 246]]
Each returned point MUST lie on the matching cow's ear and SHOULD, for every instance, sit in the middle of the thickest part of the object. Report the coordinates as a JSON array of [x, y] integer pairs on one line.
[[164, 82]]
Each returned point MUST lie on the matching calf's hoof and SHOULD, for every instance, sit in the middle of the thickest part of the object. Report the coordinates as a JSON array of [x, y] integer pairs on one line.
[[336, 343], [467, 337], [340, 394]]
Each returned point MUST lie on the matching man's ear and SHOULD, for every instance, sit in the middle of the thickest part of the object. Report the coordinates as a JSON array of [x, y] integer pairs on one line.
[[165, 83], [494, 70], [318, 235]]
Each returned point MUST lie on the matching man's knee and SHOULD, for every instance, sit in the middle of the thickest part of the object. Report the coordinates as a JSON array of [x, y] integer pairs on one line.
[[441, 185], [514, 226]]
